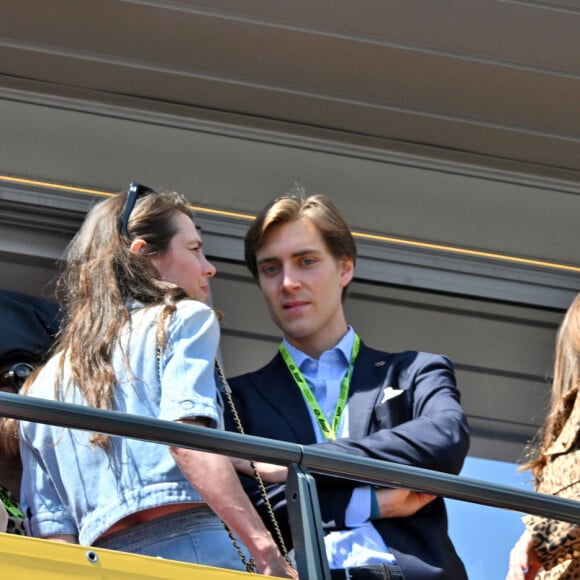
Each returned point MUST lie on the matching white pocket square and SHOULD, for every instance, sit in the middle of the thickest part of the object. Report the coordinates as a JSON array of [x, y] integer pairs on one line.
[[390, 393]]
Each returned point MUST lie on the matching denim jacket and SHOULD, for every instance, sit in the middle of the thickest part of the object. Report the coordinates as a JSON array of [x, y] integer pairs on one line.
[[72, 487]]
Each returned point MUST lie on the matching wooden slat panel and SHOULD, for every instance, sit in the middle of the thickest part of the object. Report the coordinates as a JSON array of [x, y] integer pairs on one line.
[[467, 76], [242, 170]]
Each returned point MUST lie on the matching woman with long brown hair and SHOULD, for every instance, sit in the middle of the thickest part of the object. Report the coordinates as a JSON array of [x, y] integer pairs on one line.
[[138, 337], [551, 548]]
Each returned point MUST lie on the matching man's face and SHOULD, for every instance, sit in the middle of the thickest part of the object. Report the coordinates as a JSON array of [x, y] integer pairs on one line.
[[302, 283]]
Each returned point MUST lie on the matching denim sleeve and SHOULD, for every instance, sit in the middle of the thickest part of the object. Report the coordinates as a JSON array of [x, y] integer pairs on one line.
[[188, 388], [43, 510]]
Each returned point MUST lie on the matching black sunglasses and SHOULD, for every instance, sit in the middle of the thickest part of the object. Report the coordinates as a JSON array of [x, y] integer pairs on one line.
[[136, 191], [15, 376]]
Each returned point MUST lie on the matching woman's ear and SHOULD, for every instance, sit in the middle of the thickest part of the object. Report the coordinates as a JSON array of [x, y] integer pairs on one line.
[[138, 246]]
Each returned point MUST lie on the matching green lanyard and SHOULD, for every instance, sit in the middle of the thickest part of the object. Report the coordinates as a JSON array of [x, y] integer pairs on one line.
[[328, 431], [10, 503]]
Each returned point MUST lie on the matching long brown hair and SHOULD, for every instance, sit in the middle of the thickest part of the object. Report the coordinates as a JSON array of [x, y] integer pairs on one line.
[[100, 276], [564, 387]]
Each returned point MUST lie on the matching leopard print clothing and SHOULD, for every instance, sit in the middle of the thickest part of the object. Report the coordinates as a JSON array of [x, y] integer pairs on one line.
[[15, 518], [569, 570], [557, 543]]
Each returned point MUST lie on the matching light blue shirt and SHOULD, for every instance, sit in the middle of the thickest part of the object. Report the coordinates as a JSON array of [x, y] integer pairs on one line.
[[361, 544], [71, 487]]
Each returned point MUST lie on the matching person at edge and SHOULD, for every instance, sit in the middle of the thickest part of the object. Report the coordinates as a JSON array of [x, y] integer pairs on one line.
[[138, 337], [28, 325], [346, 397], [550, 549]]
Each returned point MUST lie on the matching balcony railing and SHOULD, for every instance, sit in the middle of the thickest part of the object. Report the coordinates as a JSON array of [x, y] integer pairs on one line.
[[301, 493]]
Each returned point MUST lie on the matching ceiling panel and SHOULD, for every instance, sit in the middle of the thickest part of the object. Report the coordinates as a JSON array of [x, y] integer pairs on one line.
[[498, 79]]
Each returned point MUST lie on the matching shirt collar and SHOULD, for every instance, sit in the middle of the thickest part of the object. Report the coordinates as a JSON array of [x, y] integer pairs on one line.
[[344, 346]]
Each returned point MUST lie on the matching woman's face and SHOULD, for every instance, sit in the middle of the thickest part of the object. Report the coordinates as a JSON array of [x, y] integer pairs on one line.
[[184, 263]]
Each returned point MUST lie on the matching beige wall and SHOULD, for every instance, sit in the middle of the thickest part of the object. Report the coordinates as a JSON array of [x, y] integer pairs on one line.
[[241, 168], [473, 309]]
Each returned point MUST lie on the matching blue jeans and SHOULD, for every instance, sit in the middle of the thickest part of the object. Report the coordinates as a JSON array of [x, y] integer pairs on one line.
[[197, 536]]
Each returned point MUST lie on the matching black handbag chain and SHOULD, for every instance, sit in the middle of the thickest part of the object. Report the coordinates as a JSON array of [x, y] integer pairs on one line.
[[227, 391]]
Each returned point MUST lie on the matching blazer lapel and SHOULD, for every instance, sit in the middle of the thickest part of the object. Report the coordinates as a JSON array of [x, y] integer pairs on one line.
[[365, 388], [283, 394]]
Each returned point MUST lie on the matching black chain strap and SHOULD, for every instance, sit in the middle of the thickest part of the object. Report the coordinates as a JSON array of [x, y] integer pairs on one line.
[[250, 564], [228, 393]]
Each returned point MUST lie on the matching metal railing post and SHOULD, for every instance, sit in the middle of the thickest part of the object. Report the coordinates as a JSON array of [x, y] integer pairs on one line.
[[305, 524]]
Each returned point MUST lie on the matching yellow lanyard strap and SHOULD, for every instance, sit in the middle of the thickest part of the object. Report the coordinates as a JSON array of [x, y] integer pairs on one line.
[[10, 503], [328, 431]]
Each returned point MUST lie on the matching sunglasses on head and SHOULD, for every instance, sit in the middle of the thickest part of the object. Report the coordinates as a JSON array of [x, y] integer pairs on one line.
[[136, 191], [15, 376]]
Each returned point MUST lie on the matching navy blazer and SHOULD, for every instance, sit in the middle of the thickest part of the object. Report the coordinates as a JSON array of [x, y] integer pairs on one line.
[[402, 407]]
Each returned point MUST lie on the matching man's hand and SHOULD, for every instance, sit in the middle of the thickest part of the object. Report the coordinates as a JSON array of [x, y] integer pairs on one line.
[[400, 503], [268, 471]]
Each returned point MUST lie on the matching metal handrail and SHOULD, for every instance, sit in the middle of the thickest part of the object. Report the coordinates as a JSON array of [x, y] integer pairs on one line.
[[313, 458]]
